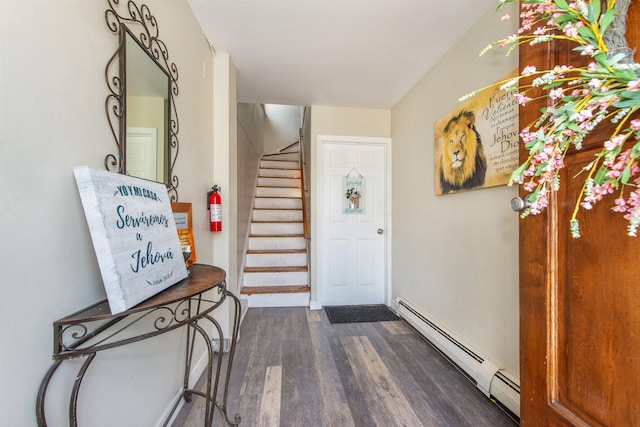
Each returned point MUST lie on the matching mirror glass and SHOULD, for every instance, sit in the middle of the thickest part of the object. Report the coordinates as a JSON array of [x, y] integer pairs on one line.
[[147, 114]]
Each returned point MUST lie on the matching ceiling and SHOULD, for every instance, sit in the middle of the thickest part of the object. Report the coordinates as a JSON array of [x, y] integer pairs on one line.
[[349, 53]]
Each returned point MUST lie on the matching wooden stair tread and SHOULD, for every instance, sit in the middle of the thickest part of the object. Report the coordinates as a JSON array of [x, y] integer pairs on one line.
[[279, 186], [249, 290], [275, 269], [278, 197], [276, 235], [277, 209], [281, 169], [275, 251], [286, 221]]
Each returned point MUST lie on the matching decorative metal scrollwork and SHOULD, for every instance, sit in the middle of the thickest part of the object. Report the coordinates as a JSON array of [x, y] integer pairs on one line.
[[90, 336], [144, 27]]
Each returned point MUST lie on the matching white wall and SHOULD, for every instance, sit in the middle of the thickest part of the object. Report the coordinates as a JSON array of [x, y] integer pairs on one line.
[[281, 126], [52, 118], [250, 143], [251, 124], [455, 256], [225, 161], [343, 122]]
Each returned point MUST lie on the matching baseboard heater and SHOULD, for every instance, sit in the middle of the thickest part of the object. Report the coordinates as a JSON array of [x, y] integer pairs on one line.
[[493, 381]]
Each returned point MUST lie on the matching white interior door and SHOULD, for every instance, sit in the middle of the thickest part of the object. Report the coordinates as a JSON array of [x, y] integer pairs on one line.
[[141, 152], [353, 245]]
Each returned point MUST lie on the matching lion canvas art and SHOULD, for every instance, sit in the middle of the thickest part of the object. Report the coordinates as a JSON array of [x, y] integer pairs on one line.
[[476, 144], [463, 165]]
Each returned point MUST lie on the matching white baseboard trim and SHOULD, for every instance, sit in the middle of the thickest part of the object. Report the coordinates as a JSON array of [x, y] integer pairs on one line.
[[488, 377], [315, 305], [244, 306]]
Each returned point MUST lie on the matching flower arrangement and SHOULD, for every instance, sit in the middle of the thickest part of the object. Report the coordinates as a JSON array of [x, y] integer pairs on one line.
[[353, 194], [607, 89]]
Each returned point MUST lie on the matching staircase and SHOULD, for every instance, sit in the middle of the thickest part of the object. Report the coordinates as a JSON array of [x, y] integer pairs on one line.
[[276, 270]]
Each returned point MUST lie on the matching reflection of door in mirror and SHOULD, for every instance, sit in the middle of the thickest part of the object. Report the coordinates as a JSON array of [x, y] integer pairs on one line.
[[147, 94], [142, 160]]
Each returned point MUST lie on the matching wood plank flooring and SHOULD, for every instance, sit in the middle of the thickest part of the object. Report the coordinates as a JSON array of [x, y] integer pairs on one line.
[[295, 369]]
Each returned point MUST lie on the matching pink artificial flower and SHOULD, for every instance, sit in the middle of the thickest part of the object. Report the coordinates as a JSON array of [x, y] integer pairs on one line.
[[570, 30], [521, 99], [594, 83], [633, 85], [528, 70], [505, 17], [585, 114], [635, 124], [527, 136], [615, 174], [555, 94], [588, 51], [614, 142], [621, 205]]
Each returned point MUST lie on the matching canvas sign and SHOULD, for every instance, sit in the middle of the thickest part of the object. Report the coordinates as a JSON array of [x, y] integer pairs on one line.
[[134, 235], [476, 144]]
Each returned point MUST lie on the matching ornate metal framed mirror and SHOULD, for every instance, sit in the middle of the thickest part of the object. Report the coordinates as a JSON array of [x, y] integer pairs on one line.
[[140, 106]]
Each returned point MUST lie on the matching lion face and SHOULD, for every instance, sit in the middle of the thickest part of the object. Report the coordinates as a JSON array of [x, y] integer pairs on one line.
[[463, 164]]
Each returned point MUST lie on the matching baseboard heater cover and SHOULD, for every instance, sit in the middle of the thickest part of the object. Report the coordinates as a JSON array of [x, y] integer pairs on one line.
[[493, 381]]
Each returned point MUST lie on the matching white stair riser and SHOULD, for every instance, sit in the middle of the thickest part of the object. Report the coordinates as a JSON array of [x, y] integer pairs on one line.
[[278, 192], [279, 164], [295, 278], [276, 243], [278, 203], [282, 173], [279, 300], [277, 215], [274, 228], [279, 182], [277, 260], [283, 156]]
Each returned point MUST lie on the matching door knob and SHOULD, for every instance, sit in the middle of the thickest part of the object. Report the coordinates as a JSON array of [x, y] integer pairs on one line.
[[518, 204], [380, 231]]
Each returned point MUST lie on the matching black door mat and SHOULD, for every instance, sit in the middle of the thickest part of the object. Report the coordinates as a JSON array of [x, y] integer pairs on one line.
[[359, 313]]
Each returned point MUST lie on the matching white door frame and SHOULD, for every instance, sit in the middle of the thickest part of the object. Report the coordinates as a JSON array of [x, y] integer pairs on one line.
[[317, 199]]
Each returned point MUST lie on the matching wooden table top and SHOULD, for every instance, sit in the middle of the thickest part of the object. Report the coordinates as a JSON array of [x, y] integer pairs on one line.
[[201, 278]]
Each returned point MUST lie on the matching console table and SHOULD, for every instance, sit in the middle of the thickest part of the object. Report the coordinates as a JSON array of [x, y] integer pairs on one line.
[[94, 329]]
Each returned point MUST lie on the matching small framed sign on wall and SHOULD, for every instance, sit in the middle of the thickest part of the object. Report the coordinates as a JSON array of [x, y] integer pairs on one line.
[[353, 188], [134, 235], [184, 225]]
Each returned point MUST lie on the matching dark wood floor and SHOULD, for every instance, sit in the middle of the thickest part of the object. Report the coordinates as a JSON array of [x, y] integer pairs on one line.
[[295, 369]]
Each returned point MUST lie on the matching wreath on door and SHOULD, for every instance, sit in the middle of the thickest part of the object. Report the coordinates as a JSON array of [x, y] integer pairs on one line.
[[581, 98]]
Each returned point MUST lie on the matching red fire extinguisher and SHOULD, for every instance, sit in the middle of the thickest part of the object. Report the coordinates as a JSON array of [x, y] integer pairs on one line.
[[215, 206]]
